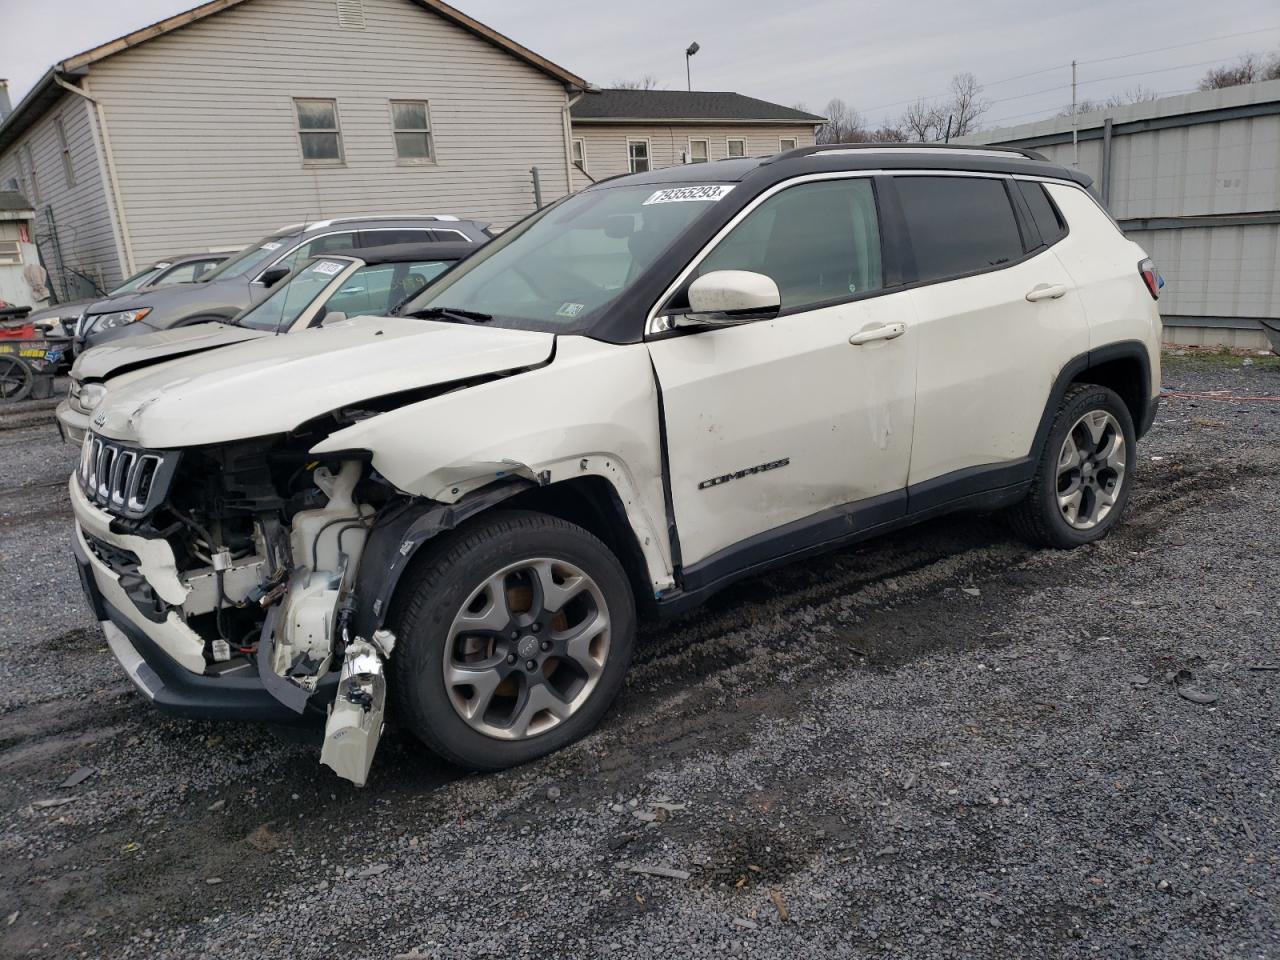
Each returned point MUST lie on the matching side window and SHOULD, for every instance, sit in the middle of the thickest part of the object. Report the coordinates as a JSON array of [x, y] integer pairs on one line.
[[1047, 219], [318, 131], [364, 292], [818, 241], [698, 152], [387, 238], [331, 243], [737, 146], [958, 225]]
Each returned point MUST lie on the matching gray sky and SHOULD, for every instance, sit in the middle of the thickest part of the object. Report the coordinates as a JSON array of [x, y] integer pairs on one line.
[[871, 55]]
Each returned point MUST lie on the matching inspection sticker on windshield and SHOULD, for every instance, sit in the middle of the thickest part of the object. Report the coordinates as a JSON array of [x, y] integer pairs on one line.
[[327, 267], [711, 191], [570, 309], [270, 246]]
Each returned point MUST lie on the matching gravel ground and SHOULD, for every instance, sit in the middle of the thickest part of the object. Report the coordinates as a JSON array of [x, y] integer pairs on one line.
[[940, 744]]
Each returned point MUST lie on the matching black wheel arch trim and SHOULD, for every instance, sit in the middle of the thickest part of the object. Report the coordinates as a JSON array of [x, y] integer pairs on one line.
[[397, 537]]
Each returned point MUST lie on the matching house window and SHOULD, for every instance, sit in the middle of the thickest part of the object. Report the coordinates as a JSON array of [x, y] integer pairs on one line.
[[737, 147], [638, 155], [318, 131], [10, 251], [580, 154], [698, 151], [31, 173], [68, 170], [411, 126], [786, 143]]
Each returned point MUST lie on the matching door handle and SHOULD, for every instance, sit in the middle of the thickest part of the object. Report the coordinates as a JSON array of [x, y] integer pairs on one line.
[[888, 331], [1046, 291]]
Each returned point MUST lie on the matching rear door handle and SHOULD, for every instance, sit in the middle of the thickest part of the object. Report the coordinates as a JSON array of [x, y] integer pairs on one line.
[[1046, 291], [888, 331]]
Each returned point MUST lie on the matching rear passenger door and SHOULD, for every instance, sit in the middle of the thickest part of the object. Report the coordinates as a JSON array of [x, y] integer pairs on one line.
[[996, 317]]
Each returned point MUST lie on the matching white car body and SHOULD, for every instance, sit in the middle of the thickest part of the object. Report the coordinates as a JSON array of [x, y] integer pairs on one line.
[[726, 449]]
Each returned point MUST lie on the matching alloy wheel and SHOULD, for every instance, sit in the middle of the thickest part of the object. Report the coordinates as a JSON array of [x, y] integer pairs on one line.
[[527, 648], [1091, 469]]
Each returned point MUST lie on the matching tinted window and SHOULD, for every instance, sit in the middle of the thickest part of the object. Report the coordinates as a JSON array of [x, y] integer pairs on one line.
[[818, 241], [383, 238], [958, 225], [1043, 212]]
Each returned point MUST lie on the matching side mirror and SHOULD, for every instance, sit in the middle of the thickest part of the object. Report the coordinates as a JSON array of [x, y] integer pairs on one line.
[[728, 297], [273, 275]]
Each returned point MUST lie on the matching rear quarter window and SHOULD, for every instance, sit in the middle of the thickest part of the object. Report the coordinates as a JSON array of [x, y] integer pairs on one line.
[[958, 225], [1047, 219]]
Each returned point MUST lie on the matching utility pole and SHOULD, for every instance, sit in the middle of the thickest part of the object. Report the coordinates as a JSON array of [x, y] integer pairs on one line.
[[1075, 121]]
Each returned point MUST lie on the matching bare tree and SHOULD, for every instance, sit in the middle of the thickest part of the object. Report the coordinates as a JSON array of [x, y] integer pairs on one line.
[[1250, 68], [966, 106], [922, 122], [889, 132], [646, 82], [844, 124]]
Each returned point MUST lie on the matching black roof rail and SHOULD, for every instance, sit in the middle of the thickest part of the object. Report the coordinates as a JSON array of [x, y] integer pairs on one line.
[[895, 146]]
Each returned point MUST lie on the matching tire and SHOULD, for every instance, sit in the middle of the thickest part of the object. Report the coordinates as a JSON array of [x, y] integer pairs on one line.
[[16, 379], [1047, 516], [509, 567]]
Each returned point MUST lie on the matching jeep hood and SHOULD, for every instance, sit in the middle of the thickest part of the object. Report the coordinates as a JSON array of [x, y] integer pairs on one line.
[[112, 358], [273, 384]]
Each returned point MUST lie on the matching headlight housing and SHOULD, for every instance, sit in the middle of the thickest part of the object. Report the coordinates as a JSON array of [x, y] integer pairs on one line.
[[110, 321], [87, 396]]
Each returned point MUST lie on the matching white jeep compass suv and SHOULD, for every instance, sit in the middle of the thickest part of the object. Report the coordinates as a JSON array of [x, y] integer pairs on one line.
[[634, 397]]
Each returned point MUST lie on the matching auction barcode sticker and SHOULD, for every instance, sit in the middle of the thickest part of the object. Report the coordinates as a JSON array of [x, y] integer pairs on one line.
[[711, 191], [327, 267]]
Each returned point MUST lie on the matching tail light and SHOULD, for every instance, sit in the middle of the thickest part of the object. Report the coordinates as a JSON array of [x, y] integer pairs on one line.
[[1151, 277]]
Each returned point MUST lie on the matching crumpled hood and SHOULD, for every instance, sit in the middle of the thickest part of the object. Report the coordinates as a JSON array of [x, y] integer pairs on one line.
[[273, 384], [101, 362]]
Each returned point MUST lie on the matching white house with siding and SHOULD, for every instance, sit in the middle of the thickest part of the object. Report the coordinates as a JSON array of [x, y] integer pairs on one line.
[[218, 125], [629, 131]]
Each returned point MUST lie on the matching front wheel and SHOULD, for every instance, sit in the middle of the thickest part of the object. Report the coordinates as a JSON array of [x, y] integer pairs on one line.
[[1082, 481], [513, 639]]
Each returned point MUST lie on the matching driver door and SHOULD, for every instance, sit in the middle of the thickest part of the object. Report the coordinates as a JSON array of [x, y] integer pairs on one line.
[[783, 434]]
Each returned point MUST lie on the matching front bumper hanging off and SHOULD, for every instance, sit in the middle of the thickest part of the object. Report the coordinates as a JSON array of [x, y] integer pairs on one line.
[[234, 695]]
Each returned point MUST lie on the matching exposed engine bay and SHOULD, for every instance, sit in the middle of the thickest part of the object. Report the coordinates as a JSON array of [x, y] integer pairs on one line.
[[266, 541]]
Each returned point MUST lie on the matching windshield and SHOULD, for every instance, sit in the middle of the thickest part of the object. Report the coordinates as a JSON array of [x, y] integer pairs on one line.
[[557, 268], [138, 279], [280, 310], [249, 258]]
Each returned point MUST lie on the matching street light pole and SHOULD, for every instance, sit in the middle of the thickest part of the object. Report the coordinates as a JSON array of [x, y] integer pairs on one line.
[[688, 77]]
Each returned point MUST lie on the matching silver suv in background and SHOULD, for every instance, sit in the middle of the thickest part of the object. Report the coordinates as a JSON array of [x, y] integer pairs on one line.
[[247, 277]]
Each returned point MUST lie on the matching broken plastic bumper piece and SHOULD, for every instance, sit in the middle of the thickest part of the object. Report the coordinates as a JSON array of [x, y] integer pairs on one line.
[[355, 720]]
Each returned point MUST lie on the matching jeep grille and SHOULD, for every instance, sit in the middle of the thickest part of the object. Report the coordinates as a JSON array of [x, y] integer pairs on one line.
[[124, 480]]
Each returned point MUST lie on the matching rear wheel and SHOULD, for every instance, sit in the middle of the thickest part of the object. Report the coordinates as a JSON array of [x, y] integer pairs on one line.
[[1082, 482], [16, 379], [513, 639]]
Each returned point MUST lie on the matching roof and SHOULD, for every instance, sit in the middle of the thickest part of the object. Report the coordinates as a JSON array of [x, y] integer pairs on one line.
[[855, 156], [11, 201], [672, 106], [47, 89]]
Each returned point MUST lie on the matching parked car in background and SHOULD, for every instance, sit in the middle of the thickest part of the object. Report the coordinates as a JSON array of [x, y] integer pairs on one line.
[[247, 277], [61, 318], [372, 280], [637, 396]]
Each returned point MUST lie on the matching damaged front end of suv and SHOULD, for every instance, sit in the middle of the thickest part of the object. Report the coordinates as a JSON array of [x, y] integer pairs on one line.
[[226, 571]]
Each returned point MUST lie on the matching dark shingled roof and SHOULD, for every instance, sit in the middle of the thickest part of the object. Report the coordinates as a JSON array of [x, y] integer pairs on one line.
[[12, 200], [670, 105]]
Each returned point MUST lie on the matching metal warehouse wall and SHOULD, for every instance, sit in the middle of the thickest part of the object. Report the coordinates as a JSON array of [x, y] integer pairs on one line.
[[1195, 180]]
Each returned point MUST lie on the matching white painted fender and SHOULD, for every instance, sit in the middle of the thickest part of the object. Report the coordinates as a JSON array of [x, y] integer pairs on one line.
[[593, 411]]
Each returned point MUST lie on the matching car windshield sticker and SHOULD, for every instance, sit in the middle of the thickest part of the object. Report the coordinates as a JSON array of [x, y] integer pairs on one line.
[[711, 191], [570, 309], [271, 246], [327, 267]]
